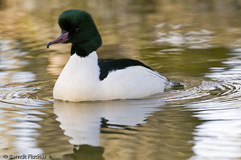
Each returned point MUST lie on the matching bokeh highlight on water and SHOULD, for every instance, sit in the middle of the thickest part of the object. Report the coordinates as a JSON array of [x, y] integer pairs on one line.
[[194, 42]]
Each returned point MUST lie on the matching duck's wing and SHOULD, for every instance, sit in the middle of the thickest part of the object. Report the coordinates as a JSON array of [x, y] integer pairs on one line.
[[109, 65]]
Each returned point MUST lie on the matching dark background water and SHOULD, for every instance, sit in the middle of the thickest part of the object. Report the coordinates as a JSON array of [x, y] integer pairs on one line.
[[196, 42]]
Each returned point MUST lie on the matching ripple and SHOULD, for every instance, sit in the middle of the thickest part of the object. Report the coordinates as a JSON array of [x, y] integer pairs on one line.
[[19, 127], [210, 95], [220, 130], [192, 39], [22, 77]]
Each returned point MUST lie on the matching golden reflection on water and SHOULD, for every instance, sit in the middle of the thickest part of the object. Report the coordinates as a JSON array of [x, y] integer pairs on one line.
[[124, 134], [191, 41], [33, 27]]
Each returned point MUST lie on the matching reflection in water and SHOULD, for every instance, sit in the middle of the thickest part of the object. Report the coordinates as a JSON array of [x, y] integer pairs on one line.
[[222, 114], [82, 121], [166, 135], [20, 124], [191, 39], [231, 69], [224, 133], [121, 126], [85, 152]]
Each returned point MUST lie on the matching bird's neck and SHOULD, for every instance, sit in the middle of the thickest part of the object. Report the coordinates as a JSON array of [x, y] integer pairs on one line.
[[87, 65], [79, 49], [83, 68], [86, 48]]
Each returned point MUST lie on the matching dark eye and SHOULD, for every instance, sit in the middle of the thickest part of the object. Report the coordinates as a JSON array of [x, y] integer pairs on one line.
[[77, 30]]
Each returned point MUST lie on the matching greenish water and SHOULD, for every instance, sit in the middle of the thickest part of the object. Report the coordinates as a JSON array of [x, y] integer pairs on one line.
[[195, 42]]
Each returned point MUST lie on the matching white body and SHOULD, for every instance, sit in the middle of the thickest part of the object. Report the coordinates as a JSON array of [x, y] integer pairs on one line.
[[79, 81]]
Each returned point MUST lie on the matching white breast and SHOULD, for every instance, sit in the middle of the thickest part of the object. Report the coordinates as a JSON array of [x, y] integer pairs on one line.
[[78, 80]]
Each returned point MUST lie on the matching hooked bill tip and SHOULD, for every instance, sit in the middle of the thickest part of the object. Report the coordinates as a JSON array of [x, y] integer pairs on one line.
[[48, 44]]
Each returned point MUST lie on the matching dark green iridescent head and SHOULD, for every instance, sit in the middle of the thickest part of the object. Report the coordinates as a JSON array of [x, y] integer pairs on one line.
[[79, 29]]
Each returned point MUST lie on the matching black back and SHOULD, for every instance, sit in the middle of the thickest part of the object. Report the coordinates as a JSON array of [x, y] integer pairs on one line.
[[108, 65]]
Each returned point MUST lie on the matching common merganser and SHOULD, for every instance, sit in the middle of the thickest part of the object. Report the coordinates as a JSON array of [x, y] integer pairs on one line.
[[85, 78]]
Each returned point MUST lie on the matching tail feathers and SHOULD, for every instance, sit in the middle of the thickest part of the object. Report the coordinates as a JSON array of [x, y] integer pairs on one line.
[[174, 85]]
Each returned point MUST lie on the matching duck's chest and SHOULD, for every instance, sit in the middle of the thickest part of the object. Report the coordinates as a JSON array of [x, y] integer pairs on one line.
[[78, 80]]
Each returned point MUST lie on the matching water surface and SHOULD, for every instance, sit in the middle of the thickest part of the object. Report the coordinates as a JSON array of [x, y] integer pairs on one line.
[[193, 42]]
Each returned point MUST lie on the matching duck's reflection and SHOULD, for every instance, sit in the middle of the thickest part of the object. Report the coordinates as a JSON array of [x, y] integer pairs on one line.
[[82, 121]]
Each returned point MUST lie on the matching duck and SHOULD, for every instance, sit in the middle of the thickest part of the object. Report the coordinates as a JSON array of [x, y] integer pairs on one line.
[[85, 77]]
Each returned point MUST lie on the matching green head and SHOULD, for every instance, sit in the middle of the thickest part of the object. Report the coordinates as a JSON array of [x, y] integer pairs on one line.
[[78, 28]]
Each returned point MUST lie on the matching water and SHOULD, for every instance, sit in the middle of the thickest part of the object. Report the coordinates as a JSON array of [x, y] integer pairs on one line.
[[194, 42]]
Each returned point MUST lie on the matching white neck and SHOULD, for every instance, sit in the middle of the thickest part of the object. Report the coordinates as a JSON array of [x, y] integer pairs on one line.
[[79, 74]]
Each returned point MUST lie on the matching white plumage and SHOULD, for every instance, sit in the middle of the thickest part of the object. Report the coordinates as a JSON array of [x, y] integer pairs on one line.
[[79, 81]]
